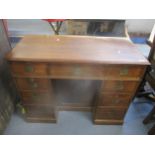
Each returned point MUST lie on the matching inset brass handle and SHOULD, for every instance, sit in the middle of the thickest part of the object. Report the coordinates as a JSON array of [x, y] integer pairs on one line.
[[35, 96], [32, 83], [119, 86], [124, 71], [30, 80], [116, 101], [77, 70], [29, 68]]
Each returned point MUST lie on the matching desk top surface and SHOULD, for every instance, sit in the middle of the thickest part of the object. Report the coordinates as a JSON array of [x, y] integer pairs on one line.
[[77, 49]]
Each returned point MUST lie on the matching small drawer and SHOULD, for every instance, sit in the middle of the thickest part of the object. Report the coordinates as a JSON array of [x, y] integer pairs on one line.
[[40, 111], [121, 71], [115, 99], [29, 69], [119, 86], [75, 71], [32, 97], [33, 84], [110, 113]]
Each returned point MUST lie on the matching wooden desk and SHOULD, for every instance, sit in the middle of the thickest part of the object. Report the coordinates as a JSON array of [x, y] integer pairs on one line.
[[54, 73]]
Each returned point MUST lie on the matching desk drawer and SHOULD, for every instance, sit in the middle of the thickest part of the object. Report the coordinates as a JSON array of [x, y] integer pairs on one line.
[[115, 99], [94, 71], [31, 97], [29, 69], [38, 112], [75, 71], [121, 71], [119, 86], [33, 84], [107, 113]]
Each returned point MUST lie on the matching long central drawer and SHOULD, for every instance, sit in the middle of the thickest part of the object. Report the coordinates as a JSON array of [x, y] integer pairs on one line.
[[79, 71], [94, 71]]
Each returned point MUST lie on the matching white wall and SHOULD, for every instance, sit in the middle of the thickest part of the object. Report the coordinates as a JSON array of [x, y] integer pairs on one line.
[[140, 25], [19, 27]]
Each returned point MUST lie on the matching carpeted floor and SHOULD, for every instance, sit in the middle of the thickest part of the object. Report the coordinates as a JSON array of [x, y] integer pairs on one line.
[[80, 123]]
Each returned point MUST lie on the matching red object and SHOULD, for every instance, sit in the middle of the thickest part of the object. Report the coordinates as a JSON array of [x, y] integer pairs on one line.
[[54, 20], [58, 24]]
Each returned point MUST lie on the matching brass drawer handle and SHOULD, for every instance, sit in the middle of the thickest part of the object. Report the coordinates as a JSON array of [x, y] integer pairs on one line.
[[30, 80], [119, 86], [35, 96], [116, 101], [32, 83], [77, 71], [124, 71], [29, 68]]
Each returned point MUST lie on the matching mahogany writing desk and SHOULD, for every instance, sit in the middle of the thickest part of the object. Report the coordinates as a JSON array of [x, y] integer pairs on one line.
[[98, 74]]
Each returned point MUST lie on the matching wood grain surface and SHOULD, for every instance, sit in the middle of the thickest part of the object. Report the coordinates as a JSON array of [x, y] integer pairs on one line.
[[79, 49]]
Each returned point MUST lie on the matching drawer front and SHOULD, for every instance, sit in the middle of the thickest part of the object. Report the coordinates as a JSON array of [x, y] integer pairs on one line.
[[33, 84], [121, 71], [94, 71], [31, 97], [119, 86], [76, 70], [39, 111], [79, 71], [115, 99], [29, 69], [110, 113]]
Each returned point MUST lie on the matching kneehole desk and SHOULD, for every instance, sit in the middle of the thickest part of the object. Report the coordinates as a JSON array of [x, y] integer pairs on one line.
[[98, 74]]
